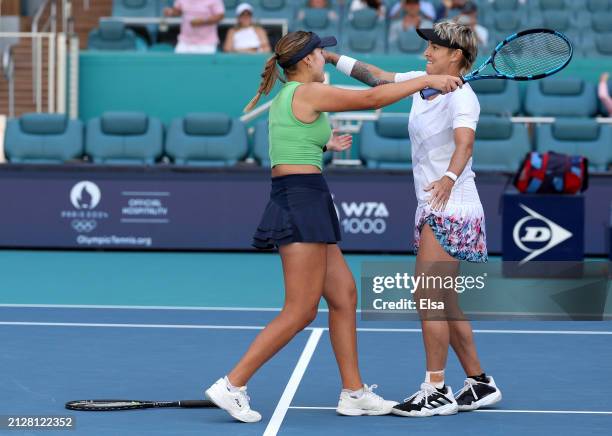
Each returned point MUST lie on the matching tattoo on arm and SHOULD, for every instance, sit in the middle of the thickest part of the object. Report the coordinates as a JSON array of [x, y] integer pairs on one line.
[[362, 73]]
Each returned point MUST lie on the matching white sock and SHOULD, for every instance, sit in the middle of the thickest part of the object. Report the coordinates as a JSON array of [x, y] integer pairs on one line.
[[437, 385], [230, 386], [354, 394]]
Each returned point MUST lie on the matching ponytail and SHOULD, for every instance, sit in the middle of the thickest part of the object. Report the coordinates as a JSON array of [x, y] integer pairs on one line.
[[268, 79]]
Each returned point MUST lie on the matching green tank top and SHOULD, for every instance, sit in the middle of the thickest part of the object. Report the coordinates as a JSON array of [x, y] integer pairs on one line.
[[292, 141]]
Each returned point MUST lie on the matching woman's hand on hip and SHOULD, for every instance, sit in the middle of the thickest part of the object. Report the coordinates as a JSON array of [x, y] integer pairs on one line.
[[439, 193]]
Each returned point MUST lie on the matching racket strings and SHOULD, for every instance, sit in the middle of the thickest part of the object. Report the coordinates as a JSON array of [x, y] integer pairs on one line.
[[532, 54]]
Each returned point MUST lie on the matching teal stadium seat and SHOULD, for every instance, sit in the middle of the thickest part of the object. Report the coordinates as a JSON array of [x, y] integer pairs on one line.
[[505, 23], [540, 9], [43, 138], [138, 9], [408, 42], [586, 10], [487, 11], [564, 97], [206, 139], [497, 97], [363, 33], [113, 36], [317, 20], [578, 136], [272, 9], [500, 145], [385, 143], [124, 138], [562, 22], [261, 143], [230, 7], [598, 41]]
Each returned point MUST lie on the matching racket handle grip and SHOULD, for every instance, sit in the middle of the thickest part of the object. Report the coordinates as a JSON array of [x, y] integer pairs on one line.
[[196, 403], [429, 92]]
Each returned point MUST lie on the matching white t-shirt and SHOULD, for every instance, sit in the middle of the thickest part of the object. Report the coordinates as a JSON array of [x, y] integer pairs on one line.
[[431, 126]]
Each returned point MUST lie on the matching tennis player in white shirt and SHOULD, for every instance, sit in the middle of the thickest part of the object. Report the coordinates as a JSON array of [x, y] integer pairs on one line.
[[449, 220]]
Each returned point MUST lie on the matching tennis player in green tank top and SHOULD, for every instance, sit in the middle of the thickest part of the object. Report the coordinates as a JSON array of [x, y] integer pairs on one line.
[[300, 219]]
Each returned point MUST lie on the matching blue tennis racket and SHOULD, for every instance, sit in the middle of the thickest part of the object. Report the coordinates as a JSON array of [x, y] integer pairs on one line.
[[527, 55]]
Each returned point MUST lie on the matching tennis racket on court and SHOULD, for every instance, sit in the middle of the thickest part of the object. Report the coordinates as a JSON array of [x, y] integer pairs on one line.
[[527, 55], [110, 405]]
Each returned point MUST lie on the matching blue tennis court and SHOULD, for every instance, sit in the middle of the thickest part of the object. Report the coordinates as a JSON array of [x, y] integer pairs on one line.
[[72, 331]]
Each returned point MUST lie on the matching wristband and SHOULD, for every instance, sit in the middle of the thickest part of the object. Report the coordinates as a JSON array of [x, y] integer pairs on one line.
[[345, 64], [451, 175], [324, 148]]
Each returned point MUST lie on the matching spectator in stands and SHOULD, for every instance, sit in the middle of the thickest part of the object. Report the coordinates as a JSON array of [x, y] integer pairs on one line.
[[449, 9], [246, 37], [377, 5], [604, 93], [199, 25], [469, 17], [318, 4], [412, 19], [427, 10]]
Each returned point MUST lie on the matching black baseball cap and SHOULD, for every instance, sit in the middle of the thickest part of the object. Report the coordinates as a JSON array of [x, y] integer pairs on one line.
[[431, 35], [315, 42]]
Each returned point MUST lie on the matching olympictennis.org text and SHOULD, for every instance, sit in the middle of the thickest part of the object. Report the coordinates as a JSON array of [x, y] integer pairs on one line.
[[407, 282], [101, 241]]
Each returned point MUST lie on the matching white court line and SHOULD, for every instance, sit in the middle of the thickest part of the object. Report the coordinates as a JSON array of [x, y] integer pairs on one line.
[[294, 382], [250, 327], [568, 412]]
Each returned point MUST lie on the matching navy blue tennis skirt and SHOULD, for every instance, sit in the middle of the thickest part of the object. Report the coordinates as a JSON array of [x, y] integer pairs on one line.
[[300, 210]]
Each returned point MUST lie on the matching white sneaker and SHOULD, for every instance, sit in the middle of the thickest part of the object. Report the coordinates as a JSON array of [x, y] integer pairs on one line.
[[475, 394], [428, 401], [367, 404], [234, 403]]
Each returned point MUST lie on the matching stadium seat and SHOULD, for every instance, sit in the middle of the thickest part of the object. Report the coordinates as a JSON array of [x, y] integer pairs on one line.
[[112, 35], [230, 7], [568, 97], [487, 11], [364, 33], [505, 23], [598, 39], [497, 97], [578, 136], [317, 20], [261, 145], [408, 42], [128, 138], [137, 9], [272, 9], [562, 21], [385, 143], [206, 139], [500, 145], [587, 10], [539, 10], [43, 138]]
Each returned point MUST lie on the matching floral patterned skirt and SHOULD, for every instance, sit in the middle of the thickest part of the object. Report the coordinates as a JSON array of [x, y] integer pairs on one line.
[[460, 230]]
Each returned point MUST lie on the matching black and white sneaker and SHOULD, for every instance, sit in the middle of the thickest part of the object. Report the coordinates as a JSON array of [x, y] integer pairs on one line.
[[475, 394], [428, 401]]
